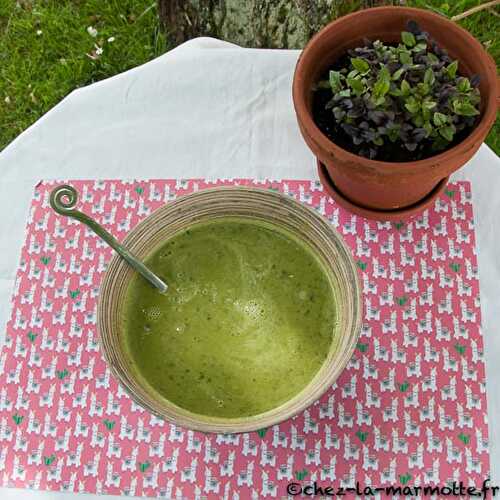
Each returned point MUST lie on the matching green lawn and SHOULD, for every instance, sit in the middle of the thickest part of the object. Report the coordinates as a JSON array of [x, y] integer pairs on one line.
[[46, 51], [50, 47]]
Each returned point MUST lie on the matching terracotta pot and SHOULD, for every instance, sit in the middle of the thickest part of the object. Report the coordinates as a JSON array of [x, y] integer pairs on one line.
[[382, 185]]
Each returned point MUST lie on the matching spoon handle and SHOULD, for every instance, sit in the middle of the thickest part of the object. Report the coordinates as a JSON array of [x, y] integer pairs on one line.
[[64, 198]]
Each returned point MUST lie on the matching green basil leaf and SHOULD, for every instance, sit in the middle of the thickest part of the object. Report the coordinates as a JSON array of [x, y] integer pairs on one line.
[[463, 84], [432, 58], [428, 105], [335, 81], [405, 58], [397, 74], [360, 64], [447, 132], [429, 77], [452, 68], [356, 85], [439, 119], [466, 109], [408, 38]]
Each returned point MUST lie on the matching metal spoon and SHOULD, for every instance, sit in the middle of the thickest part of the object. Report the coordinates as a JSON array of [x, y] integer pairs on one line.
[[64, 198]]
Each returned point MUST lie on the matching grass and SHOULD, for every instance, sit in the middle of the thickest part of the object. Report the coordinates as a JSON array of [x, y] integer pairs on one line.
[[46, 50]]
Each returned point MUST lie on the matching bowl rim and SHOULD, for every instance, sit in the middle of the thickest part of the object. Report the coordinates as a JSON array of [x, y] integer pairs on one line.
[[487, 117], [271, 417]]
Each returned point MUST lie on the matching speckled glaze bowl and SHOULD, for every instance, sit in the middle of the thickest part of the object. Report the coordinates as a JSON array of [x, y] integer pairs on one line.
[[254, 204]]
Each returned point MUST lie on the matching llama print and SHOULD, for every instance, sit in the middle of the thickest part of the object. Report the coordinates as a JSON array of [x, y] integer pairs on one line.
[[327, 472], [351, 450], [382, 443], [369, 461], [409, 339], [372, 399], [426, 298], [414, 368], [399, 445], [309, 424], [422, 221], [390, 413], [406, 258], [326, 411], [369, 371], [425, 325], [387, 298], [449, 363], [313, 456], [449, 391], [298, 442], [188, 474], [380, 352], [112, 477], [482, 445], [388, 384], [412, 399], [362, 249], [388, 246], [249, 446], [427, 413], [267, 457], [227, 467], [434, 444], [245, 477], [268, 487], [442, 332], [91, 467], [35, 456], [368, 286], [395, 272], [416, 459], [62, 442], [350, 389], [332, 441], [421, 247], [429, 382], [350, 227], [457, 213], [390, 324], [345, 419], [468, 373], [472, 401], [388, 475], [211, 453], [22, 402], [212, 485], [416, 377], [445, 421], [74, 458], [21, 442], [407, 234], [114, 449], [473, 464]]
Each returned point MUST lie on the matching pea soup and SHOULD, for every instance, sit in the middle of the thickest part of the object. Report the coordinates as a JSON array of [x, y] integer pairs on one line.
[[246, 323]]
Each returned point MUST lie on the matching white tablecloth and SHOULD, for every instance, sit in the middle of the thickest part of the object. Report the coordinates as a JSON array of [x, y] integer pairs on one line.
[[207, 108]]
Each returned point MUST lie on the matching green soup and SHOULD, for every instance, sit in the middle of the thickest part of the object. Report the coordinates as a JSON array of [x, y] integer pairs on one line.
[[246, 323]]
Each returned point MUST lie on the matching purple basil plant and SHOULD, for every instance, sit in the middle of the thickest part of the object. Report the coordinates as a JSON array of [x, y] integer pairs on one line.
[[410, 95]]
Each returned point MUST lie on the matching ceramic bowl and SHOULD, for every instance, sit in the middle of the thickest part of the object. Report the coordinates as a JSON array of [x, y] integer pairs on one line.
[[253, 204]]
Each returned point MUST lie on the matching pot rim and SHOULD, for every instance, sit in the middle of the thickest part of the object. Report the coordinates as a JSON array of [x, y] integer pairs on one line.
[[477, 134]]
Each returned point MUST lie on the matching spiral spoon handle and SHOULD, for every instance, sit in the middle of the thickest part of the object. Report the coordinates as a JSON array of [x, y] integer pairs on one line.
[[64, 198]]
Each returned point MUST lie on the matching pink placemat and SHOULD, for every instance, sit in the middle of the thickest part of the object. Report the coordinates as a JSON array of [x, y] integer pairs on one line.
[[409, 409]]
